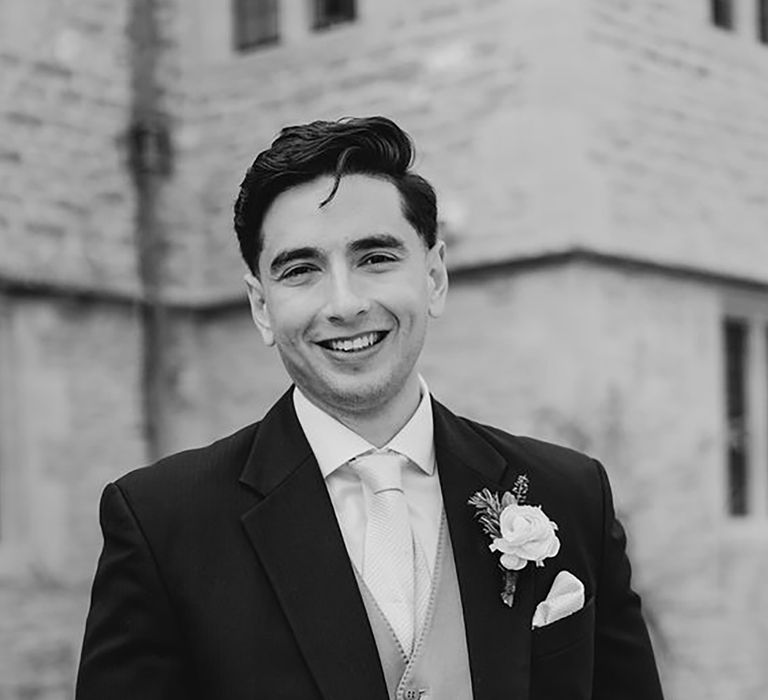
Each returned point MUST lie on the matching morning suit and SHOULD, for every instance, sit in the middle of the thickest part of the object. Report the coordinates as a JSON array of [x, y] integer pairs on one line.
[[224, 575]]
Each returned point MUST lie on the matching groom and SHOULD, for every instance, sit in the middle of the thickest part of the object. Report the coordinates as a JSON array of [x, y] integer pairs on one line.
[[330, 550]]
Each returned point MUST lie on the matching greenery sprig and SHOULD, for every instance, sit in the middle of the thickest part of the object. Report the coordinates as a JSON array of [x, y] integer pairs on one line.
[[488, 507]]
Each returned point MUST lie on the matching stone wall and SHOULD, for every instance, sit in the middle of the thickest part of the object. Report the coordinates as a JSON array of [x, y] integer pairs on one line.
[[473, 82], [678, 135], [66, 201], [632, 128], [76, 423]]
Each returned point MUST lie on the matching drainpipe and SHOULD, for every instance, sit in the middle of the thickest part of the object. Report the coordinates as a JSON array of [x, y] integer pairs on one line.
[[150, 162]]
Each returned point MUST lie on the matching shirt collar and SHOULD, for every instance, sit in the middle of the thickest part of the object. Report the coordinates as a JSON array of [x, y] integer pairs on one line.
[[334, 444]]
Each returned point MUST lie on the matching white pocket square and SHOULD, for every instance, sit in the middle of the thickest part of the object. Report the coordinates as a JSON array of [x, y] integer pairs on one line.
[[564, 598]]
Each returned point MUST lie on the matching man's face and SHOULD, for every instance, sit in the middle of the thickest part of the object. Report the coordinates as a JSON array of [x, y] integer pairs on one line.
[[344, 292]]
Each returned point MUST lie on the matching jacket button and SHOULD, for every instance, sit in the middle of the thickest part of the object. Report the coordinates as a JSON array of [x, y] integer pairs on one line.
[[411, 694]]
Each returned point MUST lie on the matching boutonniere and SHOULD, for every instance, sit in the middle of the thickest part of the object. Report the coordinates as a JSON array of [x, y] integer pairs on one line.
[[520, 533]]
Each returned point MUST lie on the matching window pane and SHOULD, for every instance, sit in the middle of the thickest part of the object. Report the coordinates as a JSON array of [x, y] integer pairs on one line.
[[735, 332], [255, 23], [329, 12], [722, 13], [762, 21]]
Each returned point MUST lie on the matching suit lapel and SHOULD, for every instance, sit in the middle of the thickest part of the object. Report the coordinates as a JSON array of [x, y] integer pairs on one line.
[[298, 541], [498, 637]]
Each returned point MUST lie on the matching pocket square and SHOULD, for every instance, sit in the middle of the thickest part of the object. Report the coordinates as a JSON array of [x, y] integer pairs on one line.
[[564, 598]]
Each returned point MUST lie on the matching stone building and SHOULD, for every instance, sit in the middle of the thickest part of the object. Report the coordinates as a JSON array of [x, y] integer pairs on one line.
[[602, 171]]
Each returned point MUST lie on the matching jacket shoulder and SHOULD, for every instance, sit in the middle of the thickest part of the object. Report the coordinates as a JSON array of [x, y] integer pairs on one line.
[[219, 460], [540, 452], [184, 497], [552, 469]]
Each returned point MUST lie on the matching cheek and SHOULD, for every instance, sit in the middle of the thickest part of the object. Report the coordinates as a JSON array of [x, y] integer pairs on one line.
[[408, 303], [290, 318]]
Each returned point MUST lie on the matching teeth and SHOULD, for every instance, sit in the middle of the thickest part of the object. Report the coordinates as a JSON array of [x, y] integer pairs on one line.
[[360, 343]]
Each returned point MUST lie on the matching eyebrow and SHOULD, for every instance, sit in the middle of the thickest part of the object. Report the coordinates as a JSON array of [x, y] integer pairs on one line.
[[286, 256], [378, 240]]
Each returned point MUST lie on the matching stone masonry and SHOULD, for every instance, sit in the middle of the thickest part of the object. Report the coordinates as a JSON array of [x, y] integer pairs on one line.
[[602, 172]]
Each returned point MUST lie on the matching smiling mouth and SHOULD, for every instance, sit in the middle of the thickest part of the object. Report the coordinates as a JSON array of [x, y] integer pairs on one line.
[[357, 343]]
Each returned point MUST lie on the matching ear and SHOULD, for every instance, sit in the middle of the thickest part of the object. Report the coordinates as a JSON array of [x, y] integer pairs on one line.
[[259, 311], [437, 278]]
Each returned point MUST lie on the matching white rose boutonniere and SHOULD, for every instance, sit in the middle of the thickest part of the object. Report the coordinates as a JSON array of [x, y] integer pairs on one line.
[[527, 534], [520, 533]]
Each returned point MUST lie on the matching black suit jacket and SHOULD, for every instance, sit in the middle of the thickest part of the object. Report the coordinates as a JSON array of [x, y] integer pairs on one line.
[[224, 576]]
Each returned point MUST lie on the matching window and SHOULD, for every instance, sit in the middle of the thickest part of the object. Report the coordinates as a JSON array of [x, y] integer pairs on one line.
[[736, 414], [330, 12], [254, 23], [762, 21], [722, 13], [745, 344]]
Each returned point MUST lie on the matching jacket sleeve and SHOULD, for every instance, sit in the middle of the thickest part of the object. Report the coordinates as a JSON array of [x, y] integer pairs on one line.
[[625, 668], [132, 646]]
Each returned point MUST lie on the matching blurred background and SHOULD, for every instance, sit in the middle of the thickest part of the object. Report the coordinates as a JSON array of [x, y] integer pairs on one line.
[[602, 175]]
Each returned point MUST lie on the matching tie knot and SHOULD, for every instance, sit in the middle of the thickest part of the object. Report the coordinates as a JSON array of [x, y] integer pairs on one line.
[[380, 470]]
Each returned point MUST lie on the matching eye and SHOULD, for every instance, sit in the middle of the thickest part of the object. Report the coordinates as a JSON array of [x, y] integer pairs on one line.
[[297, 272], [375, 259]]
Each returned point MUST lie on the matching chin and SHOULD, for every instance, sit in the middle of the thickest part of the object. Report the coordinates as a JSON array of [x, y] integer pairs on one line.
[[363, 394], [359, 395]]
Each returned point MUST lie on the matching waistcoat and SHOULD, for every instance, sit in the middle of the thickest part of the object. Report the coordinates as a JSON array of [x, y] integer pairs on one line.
[[438, 668]]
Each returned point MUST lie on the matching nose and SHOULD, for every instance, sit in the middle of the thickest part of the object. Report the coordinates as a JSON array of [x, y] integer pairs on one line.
[[346, 299]]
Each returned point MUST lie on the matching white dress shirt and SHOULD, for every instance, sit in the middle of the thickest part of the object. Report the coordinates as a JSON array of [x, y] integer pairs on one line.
[[335, 445]]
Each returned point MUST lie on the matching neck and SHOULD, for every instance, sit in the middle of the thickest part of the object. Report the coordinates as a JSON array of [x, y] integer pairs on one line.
[[379, 424], [380, 428]]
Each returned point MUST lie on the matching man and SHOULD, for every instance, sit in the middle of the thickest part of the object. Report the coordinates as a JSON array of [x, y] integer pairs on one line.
[[276, 563]]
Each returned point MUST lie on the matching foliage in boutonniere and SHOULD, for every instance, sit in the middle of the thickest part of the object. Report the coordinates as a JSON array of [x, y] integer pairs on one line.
[[521, 533]]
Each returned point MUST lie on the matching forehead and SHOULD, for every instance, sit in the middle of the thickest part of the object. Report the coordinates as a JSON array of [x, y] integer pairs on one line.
[[361, 206]]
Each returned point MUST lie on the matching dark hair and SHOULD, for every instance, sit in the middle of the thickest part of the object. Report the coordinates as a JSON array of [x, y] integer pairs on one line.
[[373, 146]]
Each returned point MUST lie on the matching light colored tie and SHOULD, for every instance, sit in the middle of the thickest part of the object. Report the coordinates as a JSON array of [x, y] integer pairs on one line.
[[388, 555]]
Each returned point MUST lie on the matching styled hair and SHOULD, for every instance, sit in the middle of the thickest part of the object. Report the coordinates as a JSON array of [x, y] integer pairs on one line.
[[373, 146]]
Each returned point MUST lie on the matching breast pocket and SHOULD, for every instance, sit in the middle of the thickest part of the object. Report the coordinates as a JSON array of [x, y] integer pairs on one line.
[[572, 630], [563, 655]]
